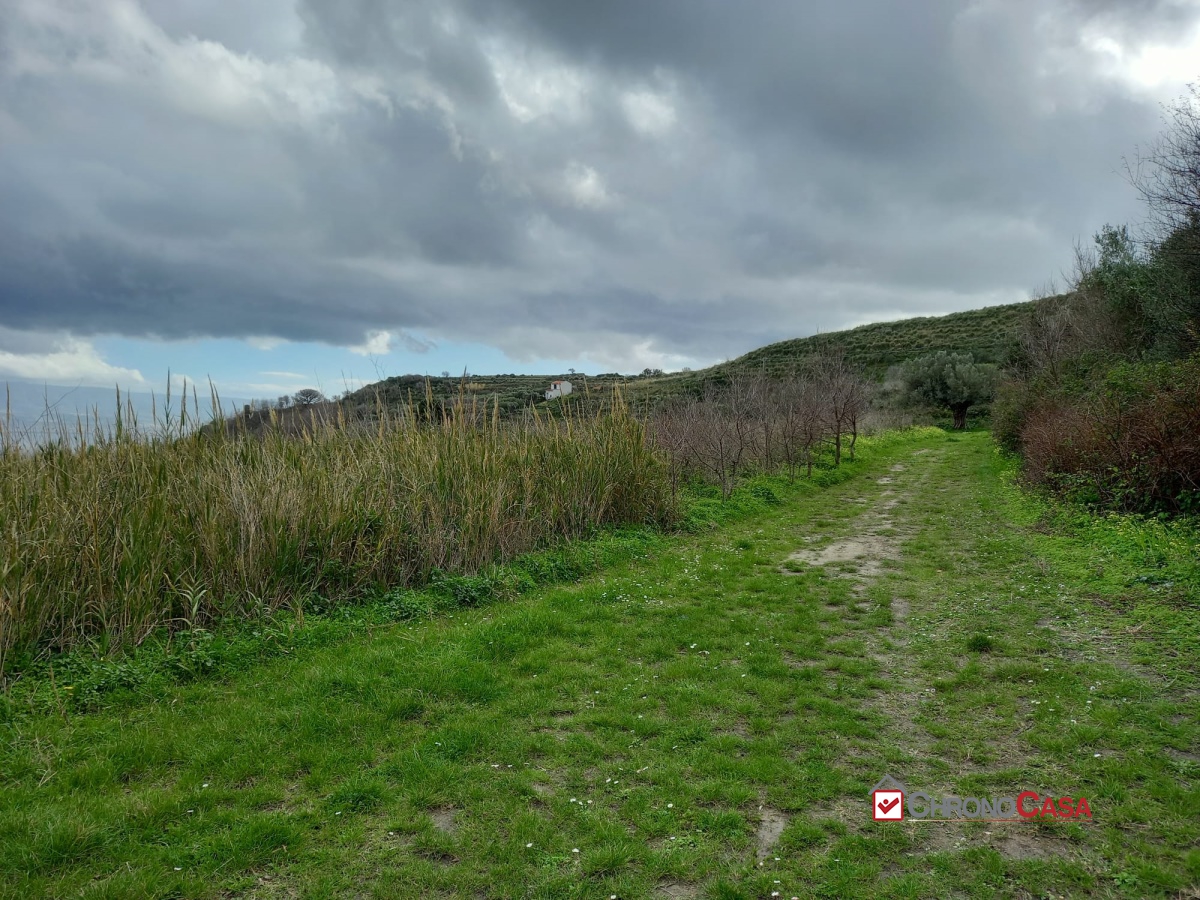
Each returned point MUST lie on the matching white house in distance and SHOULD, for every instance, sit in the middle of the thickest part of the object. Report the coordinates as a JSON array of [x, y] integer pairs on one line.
[[558, 389]]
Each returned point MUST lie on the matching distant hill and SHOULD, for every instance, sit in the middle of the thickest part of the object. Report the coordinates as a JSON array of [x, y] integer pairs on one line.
[[513, 393], [985, 333]]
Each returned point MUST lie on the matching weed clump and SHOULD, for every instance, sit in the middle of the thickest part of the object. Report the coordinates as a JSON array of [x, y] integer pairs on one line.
[[980, 643]]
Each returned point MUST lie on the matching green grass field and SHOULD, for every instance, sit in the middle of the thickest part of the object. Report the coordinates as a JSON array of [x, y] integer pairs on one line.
[[701, 717]]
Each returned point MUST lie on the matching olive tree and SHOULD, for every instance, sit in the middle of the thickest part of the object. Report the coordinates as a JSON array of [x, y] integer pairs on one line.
[[951, 381]]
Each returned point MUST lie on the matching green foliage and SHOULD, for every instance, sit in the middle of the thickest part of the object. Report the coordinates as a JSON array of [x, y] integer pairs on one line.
[[1102, 403], [986, 334], [1085, 403], [980, 643], [1172, 309], [1128, 440], [1010, 409], [80, 679], [952, 381], [1153, 293], [983, 333]]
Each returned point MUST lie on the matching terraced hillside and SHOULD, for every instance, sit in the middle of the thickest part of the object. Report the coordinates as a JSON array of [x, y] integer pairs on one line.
[[985, 333]]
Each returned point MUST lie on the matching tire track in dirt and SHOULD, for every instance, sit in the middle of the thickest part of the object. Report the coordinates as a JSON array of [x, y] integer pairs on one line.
[[877, 540], [878, 535]]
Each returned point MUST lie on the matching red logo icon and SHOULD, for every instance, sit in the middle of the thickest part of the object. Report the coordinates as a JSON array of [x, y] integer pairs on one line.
[[888, 806], [887, 800]]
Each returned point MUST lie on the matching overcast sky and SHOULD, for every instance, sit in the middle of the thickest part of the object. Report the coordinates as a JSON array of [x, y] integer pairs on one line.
[[285, 192]]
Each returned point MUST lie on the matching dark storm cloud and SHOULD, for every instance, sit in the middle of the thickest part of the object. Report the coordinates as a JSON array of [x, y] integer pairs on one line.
[[867, 75], [688, 179]]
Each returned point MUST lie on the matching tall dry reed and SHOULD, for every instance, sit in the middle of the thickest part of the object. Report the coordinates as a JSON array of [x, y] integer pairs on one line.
[[109, 534]]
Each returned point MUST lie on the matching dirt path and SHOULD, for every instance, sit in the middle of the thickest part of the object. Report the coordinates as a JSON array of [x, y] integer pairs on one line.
[[953, 722]]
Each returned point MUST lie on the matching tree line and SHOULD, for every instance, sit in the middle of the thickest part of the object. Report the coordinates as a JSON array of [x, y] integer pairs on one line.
[[1102, 394], [758, 423]]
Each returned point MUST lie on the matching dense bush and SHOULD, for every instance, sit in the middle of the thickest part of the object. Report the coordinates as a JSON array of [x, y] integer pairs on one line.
[[1102, 396], [1131, 442], [1102, 390]]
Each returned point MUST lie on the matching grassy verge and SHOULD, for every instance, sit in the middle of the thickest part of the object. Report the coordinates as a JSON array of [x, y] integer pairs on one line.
[[1141, 573], [86, 679], [695, 719]]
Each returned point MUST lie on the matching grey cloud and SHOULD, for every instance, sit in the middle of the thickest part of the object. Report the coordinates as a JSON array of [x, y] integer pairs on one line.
[[399, 37], [262, 27], [23, 342], [816, 165]]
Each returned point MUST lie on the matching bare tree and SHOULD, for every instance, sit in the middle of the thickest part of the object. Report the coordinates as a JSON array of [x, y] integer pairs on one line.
[[746, 403], [858, 400], [672, 430], [844, 395], [720, 434], [1047, 338], [759, 422], [1167, 175], [801, 422], [814, 429], [307, 397]]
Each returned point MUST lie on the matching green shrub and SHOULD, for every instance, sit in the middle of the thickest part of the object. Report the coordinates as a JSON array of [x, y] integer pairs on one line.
[[980, 643]]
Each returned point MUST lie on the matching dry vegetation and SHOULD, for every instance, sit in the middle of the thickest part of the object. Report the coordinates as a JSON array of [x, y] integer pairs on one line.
[[115, 533], [1103, 397], [757, 423], [111, 535]]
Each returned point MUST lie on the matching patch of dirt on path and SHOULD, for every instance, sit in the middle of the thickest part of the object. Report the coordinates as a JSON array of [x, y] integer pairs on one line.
[[443, 819], [876, 540], [676, 890], [770, 827], [871, 547]]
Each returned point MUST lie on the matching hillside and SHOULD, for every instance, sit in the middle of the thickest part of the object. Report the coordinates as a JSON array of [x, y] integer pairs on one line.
[[874, 347], [513, 393], [984, 333], [981, 332]]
